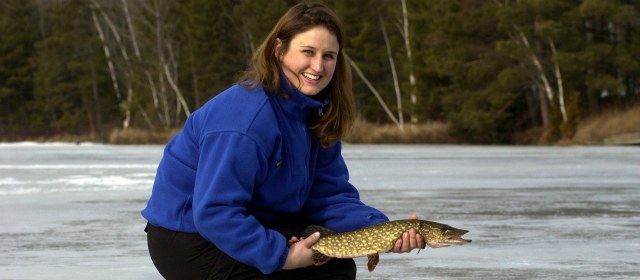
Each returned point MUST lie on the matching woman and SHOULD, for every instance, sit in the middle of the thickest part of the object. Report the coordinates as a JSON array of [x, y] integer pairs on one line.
[[261, 161]]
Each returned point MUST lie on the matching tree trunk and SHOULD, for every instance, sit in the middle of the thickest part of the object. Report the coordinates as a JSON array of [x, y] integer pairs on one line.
[[132, 33], [531, 106], [96, 96], [193, 72], [393, 72], [412, 78], [592, 94], [161, 63], [374, 91], [546, 98], [114, 80], [563, 110], [544, 110]]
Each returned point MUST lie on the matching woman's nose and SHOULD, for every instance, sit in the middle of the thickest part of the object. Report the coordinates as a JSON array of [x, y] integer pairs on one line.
[[316, 64]]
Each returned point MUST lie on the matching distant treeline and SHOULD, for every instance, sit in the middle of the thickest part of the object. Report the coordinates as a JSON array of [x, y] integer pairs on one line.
[[488, 68]]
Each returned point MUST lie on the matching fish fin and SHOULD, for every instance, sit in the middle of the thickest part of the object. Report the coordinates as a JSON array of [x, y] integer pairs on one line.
[[319, 258], [314, 228], [374, 259]]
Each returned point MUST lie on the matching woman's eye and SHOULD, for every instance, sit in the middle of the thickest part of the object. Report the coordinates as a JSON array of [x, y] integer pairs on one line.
[[308, 52], [328, 57]]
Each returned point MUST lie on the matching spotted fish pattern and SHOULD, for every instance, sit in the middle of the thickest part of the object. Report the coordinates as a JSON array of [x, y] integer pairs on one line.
[[379, 238]]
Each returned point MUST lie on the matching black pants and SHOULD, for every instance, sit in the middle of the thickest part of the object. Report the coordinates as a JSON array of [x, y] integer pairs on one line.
[[180, 255]]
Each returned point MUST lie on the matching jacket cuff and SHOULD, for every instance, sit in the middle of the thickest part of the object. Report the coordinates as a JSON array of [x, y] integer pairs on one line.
[[283, 258]]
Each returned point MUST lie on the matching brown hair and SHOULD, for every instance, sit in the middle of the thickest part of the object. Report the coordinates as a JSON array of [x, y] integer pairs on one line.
[[339, 115]]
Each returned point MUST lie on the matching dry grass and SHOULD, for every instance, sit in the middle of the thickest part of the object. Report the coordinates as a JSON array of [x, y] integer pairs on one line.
[[133, 136], [590, 131], [610, 123], [53, 137], [368, 133]]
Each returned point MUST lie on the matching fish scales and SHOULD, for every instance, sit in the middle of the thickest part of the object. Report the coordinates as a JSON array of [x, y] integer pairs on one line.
[[366, 241]]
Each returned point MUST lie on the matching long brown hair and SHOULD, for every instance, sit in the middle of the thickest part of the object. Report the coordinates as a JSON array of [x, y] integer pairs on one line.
[[339, 115]]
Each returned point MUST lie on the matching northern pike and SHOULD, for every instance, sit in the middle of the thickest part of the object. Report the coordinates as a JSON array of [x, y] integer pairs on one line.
[[379, 238]]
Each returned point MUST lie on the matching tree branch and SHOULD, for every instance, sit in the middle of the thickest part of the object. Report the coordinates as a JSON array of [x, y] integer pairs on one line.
[[373, 90], [393, 71]]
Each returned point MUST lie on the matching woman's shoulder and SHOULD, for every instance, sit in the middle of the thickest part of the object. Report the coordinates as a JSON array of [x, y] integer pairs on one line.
[[241, 96], [237, 101], [238, 109]]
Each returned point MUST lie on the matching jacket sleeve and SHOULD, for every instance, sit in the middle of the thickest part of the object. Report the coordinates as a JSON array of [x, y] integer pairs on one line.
[[231, 164], [334, 202]]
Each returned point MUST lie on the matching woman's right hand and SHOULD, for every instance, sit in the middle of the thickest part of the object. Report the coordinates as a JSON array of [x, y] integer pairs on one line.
[[300, 253]]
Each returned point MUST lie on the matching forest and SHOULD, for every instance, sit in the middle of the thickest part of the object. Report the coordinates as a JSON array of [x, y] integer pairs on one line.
[[488, 69]]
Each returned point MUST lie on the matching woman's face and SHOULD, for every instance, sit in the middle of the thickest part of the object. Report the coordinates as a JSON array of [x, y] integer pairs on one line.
[[311, 59]]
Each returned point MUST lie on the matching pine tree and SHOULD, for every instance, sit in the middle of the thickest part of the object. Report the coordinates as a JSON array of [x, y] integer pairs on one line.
[[18, 32], [65, 79]]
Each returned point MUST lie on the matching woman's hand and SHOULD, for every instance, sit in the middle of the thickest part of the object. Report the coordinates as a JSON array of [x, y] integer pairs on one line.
[[300, 253], [410, 240]]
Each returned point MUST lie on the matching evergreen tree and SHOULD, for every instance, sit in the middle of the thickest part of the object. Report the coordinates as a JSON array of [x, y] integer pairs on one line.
[[65, 79], [18, 32]]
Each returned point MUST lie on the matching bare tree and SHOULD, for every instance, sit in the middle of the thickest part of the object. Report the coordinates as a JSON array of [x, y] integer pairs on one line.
[[136, 48], [544, 102], [134, 40], [558, 74], [163, 64], [374, 91], [412, 79], [393, 72], [107, 54], [129, 73]]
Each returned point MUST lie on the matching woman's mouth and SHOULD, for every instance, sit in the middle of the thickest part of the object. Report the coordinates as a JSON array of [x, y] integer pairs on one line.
[[311, 77]]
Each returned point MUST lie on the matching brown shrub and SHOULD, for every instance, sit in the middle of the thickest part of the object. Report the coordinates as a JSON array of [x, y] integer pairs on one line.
[[133, 136], [430, 133], [612, 122]]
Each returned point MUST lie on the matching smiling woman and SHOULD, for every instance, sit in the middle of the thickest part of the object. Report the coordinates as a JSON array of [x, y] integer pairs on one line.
[[310, 61], [300, 24], [260, 162]]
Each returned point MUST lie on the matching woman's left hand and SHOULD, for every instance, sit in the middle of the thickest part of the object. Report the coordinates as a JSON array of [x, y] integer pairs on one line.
[[410, 240]]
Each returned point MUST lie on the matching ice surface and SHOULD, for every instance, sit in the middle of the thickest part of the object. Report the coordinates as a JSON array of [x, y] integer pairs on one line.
[[73, 211]]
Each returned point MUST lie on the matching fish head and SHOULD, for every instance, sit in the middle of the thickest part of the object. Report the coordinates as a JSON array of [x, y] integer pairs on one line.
[[446, 236]]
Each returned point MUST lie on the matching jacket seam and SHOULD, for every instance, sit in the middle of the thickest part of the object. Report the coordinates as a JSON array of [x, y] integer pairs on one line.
[[260, 146]]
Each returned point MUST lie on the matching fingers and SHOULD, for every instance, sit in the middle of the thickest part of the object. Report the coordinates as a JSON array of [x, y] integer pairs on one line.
[[309, 241], [410, 240], [421, 242], [300, 254], [406, 243], [397, 248], [413, 240]]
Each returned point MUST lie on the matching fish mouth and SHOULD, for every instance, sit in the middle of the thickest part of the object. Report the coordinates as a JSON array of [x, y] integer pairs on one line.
[[457, 240], [451, 238], [455, 237]]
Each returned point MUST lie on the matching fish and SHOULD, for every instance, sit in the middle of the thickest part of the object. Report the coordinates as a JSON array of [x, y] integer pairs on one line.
[[371, 241]]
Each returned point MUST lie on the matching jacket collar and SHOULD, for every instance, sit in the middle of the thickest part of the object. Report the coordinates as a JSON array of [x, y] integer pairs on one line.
[[297, 105]]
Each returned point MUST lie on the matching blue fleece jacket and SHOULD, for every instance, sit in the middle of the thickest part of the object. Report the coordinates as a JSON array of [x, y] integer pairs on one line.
[[247, 158]]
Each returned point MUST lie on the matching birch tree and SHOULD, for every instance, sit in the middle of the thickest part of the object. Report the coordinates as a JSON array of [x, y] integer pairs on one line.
[[394, 73], [412, 79]]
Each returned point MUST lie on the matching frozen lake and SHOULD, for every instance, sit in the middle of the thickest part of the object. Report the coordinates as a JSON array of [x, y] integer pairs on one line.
[[73, 211]]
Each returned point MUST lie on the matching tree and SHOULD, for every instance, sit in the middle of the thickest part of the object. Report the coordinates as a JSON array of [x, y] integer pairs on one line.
[[67, 75], [18, 29]]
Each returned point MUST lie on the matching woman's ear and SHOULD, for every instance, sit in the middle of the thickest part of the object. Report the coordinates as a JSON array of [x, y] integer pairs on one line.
[[278, 46]]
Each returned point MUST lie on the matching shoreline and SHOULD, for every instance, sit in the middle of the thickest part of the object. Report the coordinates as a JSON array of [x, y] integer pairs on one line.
[[591, 131]]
